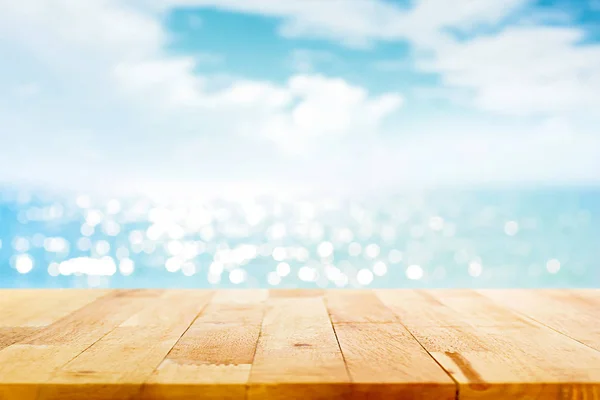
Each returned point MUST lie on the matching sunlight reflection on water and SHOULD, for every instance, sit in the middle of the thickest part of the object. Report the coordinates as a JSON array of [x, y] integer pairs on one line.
[[437, 239]]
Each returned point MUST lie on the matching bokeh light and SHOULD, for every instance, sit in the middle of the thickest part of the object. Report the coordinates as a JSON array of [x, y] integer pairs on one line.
[[394, 241]]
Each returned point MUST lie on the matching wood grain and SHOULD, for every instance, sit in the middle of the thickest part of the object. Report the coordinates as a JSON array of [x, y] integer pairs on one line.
[[299, 344], [513, 358], [33, 308], [296, 293], [357, 306], [212, 360], [419, 308], [142, 341], [577, 315], [9, 336], [385, 361], [592, 296], [30, 363], [297, 354]]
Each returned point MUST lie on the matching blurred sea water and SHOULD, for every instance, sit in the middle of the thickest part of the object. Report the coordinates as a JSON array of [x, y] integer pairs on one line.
[[444, 238]]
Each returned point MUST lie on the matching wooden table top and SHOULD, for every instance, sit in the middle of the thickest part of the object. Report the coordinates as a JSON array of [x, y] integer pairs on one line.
[[299, 344]]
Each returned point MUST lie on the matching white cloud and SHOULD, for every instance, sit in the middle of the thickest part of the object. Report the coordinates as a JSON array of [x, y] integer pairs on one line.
[[359, 22], [462, 13], [473, 154], [170, 81], [393, 65], [524, 71], [304, 112], [308, 61], [123, 47], [327, 108], [115, 100], [97, 31], [114, 93], [354, 22]]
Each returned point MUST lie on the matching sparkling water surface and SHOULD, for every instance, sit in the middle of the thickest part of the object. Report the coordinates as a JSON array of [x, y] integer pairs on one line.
[[444, 238]]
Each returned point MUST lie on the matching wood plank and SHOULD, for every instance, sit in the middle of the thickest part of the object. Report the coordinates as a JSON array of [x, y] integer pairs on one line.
[[419, 308], [476, 310], [385, 361], [10, 336], [153, 344], [590, 295], [10, 299], [31, 308], [212, 360], [243, 306], [520, 363], [357, 306], [117, 365], [416, 308], [217, 344], [297, 354], [285, 293], [512, 359], [174, 381], [173, 308], [572, 313], [86, 325], [240, 296], [25, 366]]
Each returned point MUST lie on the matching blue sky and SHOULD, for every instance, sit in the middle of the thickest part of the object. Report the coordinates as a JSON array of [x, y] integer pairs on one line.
[[139, 93]]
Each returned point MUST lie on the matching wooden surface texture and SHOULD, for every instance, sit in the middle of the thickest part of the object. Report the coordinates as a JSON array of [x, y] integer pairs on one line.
[[299, 344]]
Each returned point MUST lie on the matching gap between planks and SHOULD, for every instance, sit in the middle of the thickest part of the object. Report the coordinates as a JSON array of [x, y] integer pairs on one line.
[[499, 309], [501, 352], [67, 340]]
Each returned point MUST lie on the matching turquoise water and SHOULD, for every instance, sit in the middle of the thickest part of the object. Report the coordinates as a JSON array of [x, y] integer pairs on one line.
[[451, 238]]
